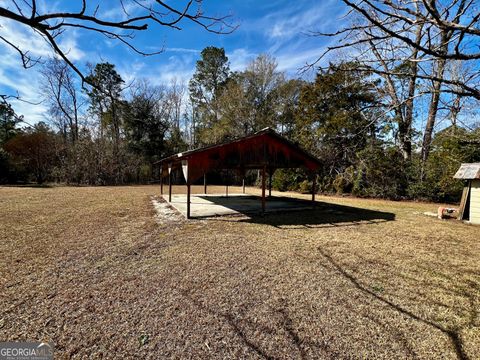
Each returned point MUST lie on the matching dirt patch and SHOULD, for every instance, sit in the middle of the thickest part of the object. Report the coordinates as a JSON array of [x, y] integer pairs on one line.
[[166, 214]]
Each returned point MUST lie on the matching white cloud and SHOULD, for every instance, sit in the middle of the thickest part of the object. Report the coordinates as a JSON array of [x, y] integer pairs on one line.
[[240, 58], [296, 60], [32, 112], [24, 38], [184, 50], [69, 45], [22, 82], [174, 70], [278, 33], [14, 79], [27, 39], [178, 67], [297, 19], [285, 34], [117, 12]]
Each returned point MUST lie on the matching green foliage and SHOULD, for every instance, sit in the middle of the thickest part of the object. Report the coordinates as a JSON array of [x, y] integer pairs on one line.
[[212, 72], [106, 85], [4, 166], [256, 98], [288, 98], [378, 288], [287, 179], [210, 77], [143, 339], [305, 186], [332, 121], [380, 172], [234, 111], [243, 102], [145, 126], [343, 182], [175, 142], [8, 122], [105, 98], [450, 147], [145, 173], [261, 81]]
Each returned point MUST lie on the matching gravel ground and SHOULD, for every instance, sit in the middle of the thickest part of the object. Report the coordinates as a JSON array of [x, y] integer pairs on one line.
[[101, 273]]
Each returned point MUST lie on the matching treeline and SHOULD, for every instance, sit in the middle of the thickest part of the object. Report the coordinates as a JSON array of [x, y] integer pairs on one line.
[[108, 133], [111, 132]]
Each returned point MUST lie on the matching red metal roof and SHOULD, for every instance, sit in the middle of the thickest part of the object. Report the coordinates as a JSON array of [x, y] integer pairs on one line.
[[264, 148]]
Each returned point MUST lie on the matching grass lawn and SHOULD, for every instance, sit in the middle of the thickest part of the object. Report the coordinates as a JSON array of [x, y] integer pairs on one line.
[[95, 271]]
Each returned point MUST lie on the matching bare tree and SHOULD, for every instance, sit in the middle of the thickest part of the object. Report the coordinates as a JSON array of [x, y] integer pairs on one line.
[[449, 32], [438, 72], [63, 97], [401, 97], [415, 40], [261, 81], [191, 121], [455, 104], [176, 94], [137, 16]]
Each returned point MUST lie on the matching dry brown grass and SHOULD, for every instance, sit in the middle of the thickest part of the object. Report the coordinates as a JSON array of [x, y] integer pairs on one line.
[[92, 270]]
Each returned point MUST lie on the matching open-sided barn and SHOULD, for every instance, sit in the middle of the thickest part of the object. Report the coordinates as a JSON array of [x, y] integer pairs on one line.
[[265, 150]]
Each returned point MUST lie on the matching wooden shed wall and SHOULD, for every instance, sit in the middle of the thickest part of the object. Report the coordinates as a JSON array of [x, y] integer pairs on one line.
[[475, 202]]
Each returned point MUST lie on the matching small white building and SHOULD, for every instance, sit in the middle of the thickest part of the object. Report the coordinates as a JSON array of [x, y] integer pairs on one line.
[[470, 204]]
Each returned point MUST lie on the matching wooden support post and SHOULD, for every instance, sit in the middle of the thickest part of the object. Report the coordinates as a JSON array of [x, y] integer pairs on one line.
[[270, 183], [169, 183], [243, 185], [263, 190], [188, 200], [205, 183], [226, 186], [314, 189], [161, 182]]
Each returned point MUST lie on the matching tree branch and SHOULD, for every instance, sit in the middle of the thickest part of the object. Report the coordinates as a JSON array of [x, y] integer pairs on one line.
[[53, 24]]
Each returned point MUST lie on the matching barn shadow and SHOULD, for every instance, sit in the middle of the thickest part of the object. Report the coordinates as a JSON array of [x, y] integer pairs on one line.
[[286, 212]]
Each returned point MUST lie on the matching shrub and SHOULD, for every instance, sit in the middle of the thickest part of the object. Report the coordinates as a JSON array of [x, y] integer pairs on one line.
[[380, 172], [343, 182], [287, 179]]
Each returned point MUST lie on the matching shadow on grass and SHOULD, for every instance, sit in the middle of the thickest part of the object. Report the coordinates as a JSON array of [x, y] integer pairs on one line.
[[245, 328], [452, 334], [283, 212]]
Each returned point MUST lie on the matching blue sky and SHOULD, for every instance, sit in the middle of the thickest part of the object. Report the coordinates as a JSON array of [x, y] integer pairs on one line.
[[276, 27]]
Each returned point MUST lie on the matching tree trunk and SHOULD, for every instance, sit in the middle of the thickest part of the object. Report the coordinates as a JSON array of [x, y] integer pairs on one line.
[[432, 111], [404, 118], [405, 129], [433, 108]]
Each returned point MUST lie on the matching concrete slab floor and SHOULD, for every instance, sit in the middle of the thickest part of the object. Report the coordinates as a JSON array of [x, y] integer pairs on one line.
[[216, 205]]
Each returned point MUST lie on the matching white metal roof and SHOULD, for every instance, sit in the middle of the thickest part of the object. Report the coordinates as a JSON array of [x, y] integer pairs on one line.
[[468, 171]]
